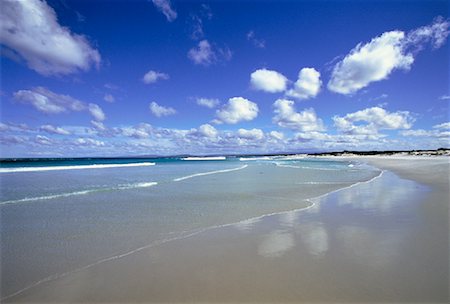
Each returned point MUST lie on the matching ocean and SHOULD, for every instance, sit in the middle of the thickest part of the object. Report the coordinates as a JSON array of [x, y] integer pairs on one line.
[[59, 216]]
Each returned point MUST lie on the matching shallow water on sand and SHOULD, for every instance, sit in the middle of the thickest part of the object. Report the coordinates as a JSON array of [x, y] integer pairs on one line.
[[373, 242], [54, 222]]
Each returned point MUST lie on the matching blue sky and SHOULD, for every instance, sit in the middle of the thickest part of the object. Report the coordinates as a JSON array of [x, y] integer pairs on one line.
[[117, 78]]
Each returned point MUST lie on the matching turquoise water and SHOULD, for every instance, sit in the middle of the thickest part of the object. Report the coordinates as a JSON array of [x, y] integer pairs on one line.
[[83, 211]]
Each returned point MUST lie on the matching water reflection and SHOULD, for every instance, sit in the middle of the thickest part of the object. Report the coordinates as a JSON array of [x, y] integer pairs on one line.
[[370, 247], [371, 232], [315, 237], [378, 196], [276, 244], [247, 225]]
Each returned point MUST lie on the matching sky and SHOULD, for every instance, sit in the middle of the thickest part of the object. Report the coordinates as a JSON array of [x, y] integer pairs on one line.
[[159, 77]]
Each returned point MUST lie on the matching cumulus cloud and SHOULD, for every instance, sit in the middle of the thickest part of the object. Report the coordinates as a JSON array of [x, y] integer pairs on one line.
[[49, 102], [153, 76], [373, 119], [287, 117], [237, 109], [31, 30], [307, 85], [98, 125], [54, 130], [160, 111], [276, 135], [164, 6], [370, 62], [268, 81], [143, 130], [253, 134], [208, 102], [96, 112], [376, 60], [88, 142], [445, 125], [441, 134], [206, 130], [109, 98]]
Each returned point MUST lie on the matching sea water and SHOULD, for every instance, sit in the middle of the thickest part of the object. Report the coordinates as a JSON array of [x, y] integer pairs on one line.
[[61, 215]]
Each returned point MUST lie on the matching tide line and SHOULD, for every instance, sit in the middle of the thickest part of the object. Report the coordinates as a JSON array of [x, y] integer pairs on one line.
[[83, 192], [209, 173], [80, 167]]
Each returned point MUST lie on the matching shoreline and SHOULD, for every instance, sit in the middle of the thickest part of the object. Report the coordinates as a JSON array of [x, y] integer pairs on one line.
[[312, 203], [404, 170]]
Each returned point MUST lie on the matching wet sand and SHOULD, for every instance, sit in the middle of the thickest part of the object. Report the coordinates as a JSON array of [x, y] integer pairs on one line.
[[386, 240]]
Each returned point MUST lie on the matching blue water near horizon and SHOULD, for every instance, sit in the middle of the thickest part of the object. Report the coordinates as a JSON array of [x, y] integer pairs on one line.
[[60, 220]]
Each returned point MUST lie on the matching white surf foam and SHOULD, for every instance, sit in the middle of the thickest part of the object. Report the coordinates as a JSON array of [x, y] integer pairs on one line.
[[309, 168], [80, 167], [208, 173], [205, 158], [254, 158], [83, 192], [291, 157]]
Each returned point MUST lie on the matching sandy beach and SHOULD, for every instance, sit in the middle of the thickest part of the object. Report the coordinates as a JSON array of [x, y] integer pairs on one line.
[[385, 240]]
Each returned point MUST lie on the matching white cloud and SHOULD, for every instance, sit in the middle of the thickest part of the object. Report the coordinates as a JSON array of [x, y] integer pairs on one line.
[[96, 112], [203, 54], [208, 102], [276, 135], [253, 134], [109, 98], [268, 81], [259, 43], [31, 29], [49, 102], [4, 127], [54, 130], [43, 140], [98, 125], [207, 130], [376, 60], [444, 97], [416, 133], [375, 119], [435, 33], [160, 111], [287, 117], [237, 109], [197, 28], [140, 131], [427, 133], [89, 142], [370, 62], [445, 125], [165, 8], [308, 84], [154, 76]]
